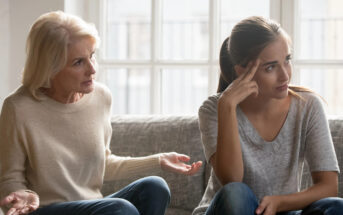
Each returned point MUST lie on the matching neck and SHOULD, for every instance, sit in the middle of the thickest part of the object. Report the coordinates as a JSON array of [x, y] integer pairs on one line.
[[63, 97], [260, 105]]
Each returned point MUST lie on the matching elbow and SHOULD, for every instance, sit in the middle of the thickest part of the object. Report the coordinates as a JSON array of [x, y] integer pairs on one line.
[[229, 177], [227, 180]]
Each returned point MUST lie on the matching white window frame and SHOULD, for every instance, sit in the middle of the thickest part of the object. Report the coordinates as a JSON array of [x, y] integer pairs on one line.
[[288, 18], [283, 11]]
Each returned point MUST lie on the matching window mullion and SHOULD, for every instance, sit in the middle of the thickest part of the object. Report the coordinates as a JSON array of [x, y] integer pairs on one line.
[[288, 16], [155, 79], [214, 32]]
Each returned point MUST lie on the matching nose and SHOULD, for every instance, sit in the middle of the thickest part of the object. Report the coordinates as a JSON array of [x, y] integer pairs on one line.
[[283, 74], [92, 66]]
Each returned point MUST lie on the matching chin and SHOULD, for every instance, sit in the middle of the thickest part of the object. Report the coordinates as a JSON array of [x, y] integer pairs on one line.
[[88, 90]]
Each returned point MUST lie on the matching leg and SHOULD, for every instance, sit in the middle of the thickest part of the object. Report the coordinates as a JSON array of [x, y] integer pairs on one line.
[[233, 199], [326, 206], [113, 206], [150, 195]]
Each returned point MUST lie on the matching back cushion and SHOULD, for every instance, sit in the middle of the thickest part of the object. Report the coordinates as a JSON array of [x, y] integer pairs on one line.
[[146, 135]]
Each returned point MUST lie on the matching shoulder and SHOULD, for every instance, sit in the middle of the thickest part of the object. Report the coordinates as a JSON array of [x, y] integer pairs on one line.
[[102, 92], [20, 98], [209, 106], [310, 100]]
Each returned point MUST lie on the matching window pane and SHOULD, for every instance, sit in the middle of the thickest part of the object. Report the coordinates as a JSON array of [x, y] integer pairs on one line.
[[185, 29], [232, 12], [128, 27], [320, 30], [326, 83], [130, 90], [183, 90]]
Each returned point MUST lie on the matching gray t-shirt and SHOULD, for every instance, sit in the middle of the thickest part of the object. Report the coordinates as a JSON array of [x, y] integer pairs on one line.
[[273, 168]]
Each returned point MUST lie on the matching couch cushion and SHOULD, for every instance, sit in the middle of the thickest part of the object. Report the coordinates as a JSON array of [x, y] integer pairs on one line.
[[145, 135]]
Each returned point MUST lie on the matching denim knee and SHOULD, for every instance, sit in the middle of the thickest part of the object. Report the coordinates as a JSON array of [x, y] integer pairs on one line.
[[117, 206], [235, 198], [156, 186], [334, 207]]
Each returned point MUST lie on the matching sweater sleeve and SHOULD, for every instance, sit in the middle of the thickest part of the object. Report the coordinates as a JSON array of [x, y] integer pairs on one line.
[[125, 167], [12, 153]]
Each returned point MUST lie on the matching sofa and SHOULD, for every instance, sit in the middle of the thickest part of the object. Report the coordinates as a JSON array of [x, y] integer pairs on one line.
[[145, 135]]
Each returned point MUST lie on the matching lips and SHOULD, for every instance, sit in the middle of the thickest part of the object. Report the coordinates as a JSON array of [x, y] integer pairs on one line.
[[282, 87], [89, 82]]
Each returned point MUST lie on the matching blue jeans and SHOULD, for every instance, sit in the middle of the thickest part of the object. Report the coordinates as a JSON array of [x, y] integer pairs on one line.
[[238, 199], [149, 196]]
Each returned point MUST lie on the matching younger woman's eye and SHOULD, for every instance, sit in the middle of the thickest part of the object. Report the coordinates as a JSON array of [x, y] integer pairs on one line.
[[288, 60], [269, 68]]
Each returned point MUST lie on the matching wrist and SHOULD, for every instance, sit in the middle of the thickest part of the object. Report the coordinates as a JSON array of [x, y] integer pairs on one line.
[[31, 192]]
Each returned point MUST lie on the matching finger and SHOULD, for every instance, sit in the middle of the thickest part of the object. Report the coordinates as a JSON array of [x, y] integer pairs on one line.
[[252, 70], [269, 211], [261, 208], [7, 200], [11, 211], [247, 90], [182, 157]]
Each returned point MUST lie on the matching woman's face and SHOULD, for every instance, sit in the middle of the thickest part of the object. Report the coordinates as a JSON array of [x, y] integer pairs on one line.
[[275, 69], [78, 74]]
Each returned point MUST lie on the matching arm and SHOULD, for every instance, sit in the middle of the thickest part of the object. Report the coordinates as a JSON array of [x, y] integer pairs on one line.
[[321, 157], [325, 184], [228, 143], [14, 194]]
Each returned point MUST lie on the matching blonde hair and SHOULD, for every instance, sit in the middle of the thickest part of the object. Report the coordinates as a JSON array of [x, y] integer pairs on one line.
[[47, 47]]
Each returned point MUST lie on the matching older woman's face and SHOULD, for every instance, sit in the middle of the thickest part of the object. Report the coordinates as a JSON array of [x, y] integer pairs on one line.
[[78, 74]]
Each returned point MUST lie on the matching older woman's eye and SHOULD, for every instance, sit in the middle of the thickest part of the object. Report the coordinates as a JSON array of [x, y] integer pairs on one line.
[[78, 62]]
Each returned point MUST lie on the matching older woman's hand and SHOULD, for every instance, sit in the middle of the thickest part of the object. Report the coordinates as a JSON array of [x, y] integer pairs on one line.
[[175, 162], [20, 202]]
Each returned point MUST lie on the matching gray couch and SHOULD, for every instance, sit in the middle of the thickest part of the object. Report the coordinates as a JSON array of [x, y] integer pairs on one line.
[[144, 135]]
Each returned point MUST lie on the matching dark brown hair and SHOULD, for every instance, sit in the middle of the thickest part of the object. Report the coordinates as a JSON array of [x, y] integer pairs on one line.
[[248, 38]]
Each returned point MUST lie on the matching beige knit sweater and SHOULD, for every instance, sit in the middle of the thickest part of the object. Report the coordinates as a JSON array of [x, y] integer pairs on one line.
[[61, 151]]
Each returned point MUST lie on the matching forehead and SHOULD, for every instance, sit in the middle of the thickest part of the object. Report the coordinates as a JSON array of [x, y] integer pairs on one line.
[[279, 48], [81, 47]]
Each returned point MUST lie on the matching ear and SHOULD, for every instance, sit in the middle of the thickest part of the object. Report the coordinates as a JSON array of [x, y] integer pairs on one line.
[[239, 70]]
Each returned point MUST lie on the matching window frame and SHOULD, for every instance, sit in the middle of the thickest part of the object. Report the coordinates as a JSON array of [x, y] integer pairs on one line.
[[283, 11]]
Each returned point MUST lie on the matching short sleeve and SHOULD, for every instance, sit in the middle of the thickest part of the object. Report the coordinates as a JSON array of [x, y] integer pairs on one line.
[[319, 152], [208, 124]]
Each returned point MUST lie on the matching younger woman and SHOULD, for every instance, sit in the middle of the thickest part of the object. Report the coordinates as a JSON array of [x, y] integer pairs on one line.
[[258, 131]]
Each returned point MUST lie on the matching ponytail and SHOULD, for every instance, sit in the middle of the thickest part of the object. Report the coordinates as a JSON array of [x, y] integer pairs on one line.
[[227, 72]]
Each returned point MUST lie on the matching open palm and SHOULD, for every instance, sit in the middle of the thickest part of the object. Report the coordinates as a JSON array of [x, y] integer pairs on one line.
[[175, 162], [20, 202]]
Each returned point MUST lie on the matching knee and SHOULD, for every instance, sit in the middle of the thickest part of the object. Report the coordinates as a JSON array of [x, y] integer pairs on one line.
[[235, 191], [156, 185], [236, 197], [120, 206], [335, 204]]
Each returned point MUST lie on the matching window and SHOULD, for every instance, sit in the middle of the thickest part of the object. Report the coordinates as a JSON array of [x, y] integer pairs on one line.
[[161, 56], [318, 49]]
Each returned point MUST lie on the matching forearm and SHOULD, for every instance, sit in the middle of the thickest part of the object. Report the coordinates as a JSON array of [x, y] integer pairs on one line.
[[300, 200], [228, 159]]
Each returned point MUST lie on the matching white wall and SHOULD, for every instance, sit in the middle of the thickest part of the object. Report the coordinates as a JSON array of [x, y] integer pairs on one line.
[[16, 18], [4, 44]]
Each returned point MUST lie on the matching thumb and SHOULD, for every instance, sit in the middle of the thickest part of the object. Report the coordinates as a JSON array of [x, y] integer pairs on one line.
[[7, 200]]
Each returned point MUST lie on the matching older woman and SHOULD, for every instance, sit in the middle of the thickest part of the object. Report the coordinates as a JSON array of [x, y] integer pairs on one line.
[[55, 131]]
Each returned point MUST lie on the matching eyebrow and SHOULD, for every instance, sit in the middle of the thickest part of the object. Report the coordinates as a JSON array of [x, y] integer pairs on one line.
[[269, 63], [275, 62]]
